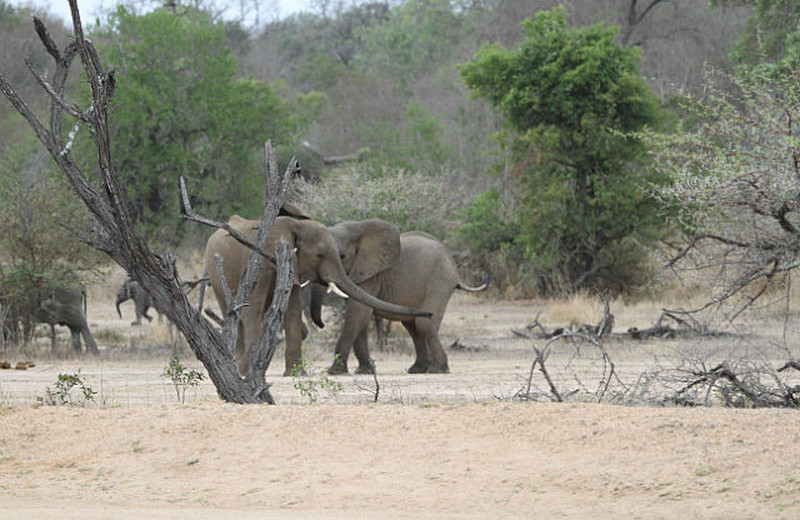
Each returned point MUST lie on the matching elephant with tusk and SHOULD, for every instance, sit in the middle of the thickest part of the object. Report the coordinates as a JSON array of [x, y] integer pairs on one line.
[[411, 269], [316, 259]]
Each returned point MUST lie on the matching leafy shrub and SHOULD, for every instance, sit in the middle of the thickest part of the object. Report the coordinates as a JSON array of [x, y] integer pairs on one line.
[[411, 201], [181, 377], [62, 394]]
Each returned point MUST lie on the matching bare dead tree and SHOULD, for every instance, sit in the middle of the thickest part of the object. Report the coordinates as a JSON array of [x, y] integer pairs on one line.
[[113, 232]]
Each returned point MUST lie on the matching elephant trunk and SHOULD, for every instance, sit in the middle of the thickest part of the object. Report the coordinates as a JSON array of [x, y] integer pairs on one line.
[[318, 292], [390, 310], [120, 299]]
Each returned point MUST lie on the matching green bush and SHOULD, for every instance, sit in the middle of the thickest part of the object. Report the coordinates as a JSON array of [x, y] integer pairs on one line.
[[573, 100]]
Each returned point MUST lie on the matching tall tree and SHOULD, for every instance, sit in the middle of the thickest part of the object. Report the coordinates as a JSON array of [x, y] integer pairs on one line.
[[181, 110], [572, 97]]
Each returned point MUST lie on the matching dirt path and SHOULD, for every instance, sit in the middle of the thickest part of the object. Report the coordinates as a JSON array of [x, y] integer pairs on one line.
[[435, 446], [492, 460]]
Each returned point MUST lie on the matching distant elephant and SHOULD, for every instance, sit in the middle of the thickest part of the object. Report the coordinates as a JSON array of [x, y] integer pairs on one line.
[[414, 270], [63, 306], [316, 260], [131, 290]]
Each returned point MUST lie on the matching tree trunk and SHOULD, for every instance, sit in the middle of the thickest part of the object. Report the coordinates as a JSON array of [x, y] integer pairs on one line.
[[113, 231]]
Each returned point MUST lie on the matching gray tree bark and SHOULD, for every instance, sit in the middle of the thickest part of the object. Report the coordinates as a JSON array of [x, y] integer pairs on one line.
[[114, 234]]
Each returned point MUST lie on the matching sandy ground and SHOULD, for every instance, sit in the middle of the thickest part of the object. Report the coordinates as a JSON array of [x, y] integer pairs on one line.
[[433, 446]]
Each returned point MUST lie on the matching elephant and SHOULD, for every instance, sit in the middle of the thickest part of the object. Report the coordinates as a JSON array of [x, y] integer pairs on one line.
[[67, 306], [131, 290], [316, 260], [413, 269]]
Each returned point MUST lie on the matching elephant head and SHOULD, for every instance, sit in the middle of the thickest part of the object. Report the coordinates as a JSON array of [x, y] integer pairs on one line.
[[366, 247], [316, 260]]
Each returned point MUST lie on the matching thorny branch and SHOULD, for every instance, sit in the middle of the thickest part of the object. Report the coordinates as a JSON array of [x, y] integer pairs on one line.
[[744, 383]]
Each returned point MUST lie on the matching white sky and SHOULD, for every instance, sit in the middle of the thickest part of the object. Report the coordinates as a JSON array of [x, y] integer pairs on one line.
[[268, 9]]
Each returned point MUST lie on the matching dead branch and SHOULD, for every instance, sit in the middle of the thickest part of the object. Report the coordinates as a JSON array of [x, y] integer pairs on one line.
[[113, 232], [574, 340], [603, 328], [795, 364], [740, 384]]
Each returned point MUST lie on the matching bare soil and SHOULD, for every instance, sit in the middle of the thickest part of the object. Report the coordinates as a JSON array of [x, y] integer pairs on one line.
[[456, 445]]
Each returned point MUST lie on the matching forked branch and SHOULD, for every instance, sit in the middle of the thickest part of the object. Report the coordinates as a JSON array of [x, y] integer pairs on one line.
[[113, 231]]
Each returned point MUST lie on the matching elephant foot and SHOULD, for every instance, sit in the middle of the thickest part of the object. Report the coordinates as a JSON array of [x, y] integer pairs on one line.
[[365, 369], [337, 368], [419, 367], [439, 369], [295, 371]]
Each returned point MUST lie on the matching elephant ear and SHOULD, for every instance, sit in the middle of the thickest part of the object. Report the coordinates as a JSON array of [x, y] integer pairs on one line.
[[375, 244]]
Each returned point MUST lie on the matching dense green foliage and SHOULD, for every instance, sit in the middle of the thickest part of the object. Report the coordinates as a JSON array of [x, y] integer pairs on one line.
[[771, 41], [379, 80], [572, 97], [181, 110]]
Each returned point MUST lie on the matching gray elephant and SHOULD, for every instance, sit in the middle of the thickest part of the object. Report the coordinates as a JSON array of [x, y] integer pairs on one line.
[[414, 270], [65, 306], [131, 290], [316, 260]]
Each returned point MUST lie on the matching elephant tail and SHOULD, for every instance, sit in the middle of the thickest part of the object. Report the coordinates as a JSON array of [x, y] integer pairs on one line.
[[84, 301], [481, 287]]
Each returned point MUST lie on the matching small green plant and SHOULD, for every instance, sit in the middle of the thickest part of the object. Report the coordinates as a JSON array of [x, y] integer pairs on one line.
[[309, 382], [62, 394], [181, 377]]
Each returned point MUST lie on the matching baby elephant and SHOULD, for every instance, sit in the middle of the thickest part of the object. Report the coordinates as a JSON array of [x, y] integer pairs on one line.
[[131, 290]]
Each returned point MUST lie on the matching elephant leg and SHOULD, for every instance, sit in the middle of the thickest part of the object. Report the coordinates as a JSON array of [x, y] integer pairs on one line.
[[75, 339], [142, 304], [91, 345], [356, 320], [293, 330], [53, 349], [251, 321], [428, 332], [423, 362], [361, 350]]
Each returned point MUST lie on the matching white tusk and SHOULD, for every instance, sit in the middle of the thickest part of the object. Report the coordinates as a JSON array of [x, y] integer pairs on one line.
[[332, 286], [304, 283]]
